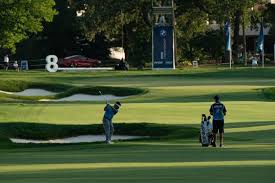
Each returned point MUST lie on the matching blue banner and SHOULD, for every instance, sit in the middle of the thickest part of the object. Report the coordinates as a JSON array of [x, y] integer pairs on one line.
[[227, 28], [163, 49], [260, 41]]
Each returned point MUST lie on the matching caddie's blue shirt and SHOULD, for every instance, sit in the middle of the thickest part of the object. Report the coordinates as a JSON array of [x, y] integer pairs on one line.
[[218, 111], [109, 112]]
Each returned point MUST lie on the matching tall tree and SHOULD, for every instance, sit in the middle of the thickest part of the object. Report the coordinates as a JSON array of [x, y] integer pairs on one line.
[[270, 18], [19, 19], [191, 22], [132, 19], [237, 12], [115, 18]]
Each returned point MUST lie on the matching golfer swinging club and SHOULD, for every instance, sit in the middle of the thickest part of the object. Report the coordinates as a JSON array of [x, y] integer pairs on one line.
[[218, 111], [110, 112]]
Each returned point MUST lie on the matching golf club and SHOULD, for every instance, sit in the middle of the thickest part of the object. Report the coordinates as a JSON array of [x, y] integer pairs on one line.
[[105, 98]]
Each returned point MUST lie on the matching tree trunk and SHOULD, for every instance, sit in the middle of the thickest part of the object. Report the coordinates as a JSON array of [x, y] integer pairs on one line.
[[125, 43], [235, 47]]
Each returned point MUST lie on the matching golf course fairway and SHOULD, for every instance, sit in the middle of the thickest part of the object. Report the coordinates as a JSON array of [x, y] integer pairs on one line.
[[168, 108]]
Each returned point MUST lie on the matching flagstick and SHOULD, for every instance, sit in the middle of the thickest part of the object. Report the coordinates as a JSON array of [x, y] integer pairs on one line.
[[263, 54], [263, 59]]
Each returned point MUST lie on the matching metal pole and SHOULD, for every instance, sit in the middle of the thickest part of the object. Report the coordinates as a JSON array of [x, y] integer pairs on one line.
[[122, 33], [175, 35], [230, 59], [263, 53], [263, 59], [153, 22], [244, 44], [230, 51]]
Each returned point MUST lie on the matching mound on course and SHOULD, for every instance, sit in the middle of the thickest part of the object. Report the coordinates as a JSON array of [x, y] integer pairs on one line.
[[35, 92]]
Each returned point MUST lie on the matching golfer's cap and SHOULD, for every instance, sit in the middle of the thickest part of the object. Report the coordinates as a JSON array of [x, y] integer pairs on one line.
[[118, 104], [217, 97]]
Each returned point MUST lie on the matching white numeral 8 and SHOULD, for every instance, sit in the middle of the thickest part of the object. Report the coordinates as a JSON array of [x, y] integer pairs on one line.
[[52, 65]]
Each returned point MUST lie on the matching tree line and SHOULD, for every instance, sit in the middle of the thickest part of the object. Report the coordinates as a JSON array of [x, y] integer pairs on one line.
[[35, 28]]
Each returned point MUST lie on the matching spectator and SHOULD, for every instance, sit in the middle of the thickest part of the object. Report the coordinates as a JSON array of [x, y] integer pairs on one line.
[[6, 62], [16, 66]]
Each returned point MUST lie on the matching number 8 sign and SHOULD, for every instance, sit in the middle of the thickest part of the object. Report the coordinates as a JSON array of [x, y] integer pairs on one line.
[[52, 65]]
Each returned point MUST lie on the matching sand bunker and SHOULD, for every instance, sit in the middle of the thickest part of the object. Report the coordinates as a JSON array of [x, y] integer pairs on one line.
[[77, 97], [73, 140], [31, 92], [85, 97]]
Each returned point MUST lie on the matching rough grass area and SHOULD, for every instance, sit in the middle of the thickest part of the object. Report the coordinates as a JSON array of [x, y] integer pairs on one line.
[[19, 85], [49, 131], [4, 140], [269, 93], [94, 90]]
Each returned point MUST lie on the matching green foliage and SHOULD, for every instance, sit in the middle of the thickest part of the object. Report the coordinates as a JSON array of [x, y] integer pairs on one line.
[[270, 18], [211, 43], [103, 23], [116, 17], [17, 86], [190, 24], [269, 93], [236, 12], [19, 19]]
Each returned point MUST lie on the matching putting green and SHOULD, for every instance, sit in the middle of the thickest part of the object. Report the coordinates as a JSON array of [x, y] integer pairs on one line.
[[174, 99]]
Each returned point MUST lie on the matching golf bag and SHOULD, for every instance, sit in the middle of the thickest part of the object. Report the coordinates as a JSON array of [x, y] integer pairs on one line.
[[206, 136]]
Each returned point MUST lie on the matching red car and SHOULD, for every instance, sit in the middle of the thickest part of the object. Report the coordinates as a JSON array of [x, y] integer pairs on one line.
[[78, 61]]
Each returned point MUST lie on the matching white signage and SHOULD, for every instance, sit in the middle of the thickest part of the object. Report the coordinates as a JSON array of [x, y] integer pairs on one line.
[[52, 65]]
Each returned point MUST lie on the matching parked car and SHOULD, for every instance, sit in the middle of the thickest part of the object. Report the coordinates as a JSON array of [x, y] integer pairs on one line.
[[78, 61]]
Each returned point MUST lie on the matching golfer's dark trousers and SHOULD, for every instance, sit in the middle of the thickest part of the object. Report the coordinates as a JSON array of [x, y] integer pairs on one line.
[[108, 128]]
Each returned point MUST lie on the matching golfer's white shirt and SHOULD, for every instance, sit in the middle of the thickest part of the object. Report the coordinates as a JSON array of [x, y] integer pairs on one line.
[[6, 59]]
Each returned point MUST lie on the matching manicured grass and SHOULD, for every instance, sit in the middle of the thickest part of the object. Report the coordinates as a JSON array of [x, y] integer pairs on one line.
[[269, 93], [162, 113], [173, 105], [140, 162]]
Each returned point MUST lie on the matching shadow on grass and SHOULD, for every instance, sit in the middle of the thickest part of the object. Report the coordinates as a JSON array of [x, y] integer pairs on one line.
[[198, 73], [49, 131], [251, 131], [157, 132], [253, 95]]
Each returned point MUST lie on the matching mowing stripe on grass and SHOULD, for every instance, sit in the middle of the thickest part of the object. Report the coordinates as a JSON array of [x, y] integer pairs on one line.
[[82, 166], [251, 129]]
